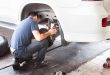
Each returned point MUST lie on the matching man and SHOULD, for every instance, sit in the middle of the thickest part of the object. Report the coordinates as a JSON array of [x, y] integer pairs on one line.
[[21, 44]]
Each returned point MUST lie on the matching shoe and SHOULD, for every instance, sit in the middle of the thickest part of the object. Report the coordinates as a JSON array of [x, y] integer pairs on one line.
[[29, 59], [108, 60], [36, 65], [16, 65], [108, 39], [59, 73], [39, 65], [106, 65]]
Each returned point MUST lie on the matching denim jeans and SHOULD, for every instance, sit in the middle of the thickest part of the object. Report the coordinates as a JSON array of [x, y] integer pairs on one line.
[[38, 47]]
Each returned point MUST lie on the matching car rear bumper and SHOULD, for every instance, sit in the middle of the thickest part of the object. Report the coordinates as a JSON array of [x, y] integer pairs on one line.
[[85, 37]]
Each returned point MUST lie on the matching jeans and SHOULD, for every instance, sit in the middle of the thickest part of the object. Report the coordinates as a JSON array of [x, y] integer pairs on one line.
[[38, 47]]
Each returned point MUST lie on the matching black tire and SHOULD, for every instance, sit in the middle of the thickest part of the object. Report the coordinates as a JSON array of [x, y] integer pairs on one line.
[[4, 48]]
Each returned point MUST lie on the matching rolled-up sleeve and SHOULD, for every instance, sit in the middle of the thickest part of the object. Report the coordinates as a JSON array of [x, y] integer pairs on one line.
[[34, 26]]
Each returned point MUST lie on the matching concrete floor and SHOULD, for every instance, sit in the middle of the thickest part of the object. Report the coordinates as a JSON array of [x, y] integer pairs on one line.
[[67, 58], [94, 66]]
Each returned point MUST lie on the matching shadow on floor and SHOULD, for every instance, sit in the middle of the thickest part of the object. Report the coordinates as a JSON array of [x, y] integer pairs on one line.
[[65, 59]]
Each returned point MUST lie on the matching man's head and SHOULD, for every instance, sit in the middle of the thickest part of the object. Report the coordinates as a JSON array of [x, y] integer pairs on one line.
[[35, 16]]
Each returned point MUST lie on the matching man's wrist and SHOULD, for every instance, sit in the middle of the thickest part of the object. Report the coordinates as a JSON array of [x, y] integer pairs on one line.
[[49, 33]]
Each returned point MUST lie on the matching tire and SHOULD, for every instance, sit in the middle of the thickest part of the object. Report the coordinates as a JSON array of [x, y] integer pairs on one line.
[[4, 48]]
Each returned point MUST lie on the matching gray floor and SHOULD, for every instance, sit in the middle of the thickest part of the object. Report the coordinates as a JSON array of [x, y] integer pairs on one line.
[[94, 66], [65, 58]]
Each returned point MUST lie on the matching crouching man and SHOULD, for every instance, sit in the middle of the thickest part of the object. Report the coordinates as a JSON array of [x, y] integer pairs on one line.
[[21, 42]]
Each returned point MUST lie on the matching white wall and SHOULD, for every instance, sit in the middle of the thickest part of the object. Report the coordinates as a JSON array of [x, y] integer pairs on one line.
[[107, 6]]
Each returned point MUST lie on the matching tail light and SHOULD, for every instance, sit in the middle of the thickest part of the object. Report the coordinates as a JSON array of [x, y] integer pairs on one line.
[[104, 22]]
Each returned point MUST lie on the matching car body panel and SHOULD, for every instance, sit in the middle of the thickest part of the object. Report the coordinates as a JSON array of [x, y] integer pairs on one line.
[[81, 21]]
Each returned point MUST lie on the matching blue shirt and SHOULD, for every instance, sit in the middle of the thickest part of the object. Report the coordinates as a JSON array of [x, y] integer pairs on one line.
[[22, 36]]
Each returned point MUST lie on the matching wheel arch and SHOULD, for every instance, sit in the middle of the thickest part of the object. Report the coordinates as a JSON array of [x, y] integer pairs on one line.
[[37, 7]]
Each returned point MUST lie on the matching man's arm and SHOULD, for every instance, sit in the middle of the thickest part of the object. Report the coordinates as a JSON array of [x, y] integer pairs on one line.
[[40, 37]]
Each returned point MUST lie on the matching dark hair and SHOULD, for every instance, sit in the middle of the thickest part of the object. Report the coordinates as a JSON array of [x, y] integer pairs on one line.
[[34, 13]]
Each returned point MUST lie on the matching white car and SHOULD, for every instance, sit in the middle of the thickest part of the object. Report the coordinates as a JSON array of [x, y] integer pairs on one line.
[[81, 20]]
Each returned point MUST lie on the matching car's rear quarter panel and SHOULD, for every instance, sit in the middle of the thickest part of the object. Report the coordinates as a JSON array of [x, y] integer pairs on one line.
[[83, 23]]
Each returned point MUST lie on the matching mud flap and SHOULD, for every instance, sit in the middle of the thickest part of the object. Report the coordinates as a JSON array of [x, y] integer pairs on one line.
[[63, 41]]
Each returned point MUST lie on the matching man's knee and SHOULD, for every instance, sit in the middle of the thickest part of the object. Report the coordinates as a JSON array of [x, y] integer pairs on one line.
[[44, 43], [48, 41]]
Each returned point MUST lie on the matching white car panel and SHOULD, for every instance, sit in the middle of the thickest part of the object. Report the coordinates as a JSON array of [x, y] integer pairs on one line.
[[81, 21]]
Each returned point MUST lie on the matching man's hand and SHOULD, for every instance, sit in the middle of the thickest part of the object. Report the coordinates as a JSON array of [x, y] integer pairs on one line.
[[52, 31], [38, 36], [52, 25]]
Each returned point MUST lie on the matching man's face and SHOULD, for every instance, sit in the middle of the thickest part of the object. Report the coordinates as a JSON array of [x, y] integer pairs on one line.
[[35, 18]]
